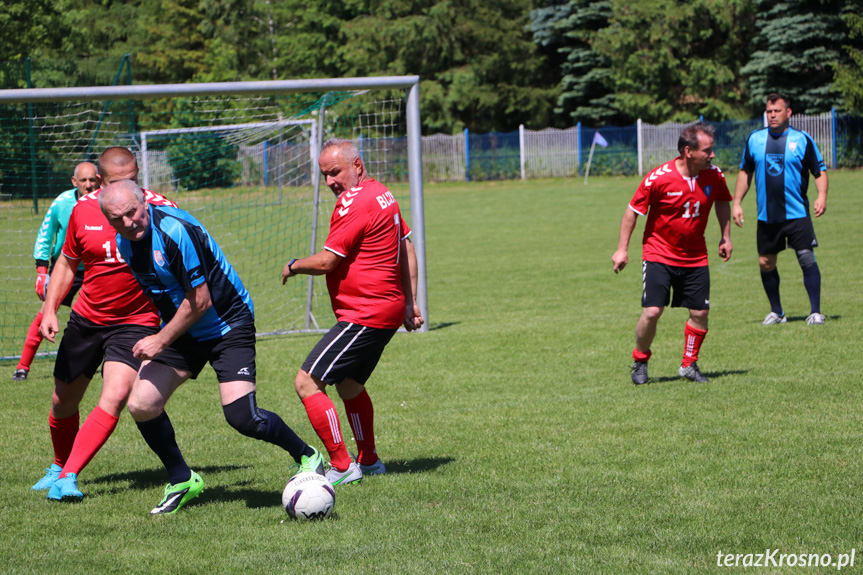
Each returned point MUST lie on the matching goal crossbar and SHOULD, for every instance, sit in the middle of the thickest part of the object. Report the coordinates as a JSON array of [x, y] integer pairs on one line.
[[145, 91]]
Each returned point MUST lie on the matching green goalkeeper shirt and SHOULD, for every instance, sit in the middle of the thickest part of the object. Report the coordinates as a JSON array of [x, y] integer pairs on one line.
[[52, 232]]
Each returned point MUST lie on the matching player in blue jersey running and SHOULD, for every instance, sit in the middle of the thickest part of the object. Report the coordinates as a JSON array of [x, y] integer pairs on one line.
[[49, 242], [780, 159], [208, 317]]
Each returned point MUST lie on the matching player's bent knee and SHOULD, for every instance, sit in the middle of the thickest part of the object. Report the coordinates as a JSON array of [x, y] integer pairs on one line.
[[806, 258], [244, 416]]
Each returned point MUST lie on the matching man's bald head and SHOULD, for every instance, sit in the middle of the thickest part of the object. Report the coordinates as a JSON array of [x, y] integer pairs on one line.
[[84, 178], [117, 164], [125, 208]]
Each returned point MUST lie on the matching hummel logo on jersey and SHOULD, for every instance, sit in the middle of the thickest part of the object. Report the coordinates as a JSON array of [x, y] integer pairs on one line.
[[244, 371], [674, 193], [92, 228]]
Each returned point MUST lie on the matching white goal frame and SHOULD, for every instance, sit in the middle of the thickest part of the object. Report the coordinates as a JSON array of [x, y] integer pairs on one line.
[[148, 91]]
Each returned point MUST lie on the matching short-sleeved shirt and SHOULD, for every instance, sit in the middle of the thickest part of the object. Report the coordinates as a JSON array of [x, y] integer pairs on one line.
[[677, 210], [52, 232], [366, 230], [781, 164], [179, 254], [110, 295]]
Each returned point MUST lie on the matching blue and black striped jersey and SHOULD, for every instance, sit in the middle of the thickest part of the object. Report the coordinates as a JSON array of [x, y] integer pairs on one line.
[[781, 164], [178, 255]]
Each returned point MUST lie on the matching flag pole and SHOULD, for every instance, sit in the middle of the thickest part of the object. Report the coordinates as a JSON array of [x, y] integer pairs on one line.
[[589, 159]]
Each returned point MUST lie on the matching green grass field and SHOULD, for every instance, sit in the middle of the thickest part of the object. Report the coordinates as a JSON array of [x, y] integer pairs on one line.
[[514, 440]]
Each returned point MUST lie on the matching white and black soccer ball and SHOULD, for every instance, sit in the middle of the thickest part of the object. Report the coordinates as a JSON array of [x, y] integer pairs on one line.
[[309, 496]]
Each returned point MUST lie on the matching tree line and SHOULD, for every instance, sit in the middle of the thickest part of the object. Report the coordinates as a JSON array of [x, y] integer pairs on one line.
[[485, 65]]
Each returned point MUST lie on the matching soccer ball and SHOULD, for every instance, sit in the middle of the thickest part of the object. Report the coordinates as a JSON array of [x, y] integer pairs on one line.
[[308, 496]]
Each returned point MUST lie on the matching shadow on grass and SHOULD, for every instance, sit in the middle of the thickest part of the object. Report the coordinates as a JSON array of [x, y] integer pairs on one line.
[[802, 318], [145, 479], [421, 465], [713, 375], [238, 491], [442, 325]]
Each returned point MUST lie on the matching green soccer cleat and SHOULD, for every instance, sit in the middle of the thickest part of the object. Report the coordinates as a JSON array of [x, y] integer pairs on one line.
[[311, 463], [178, 495]]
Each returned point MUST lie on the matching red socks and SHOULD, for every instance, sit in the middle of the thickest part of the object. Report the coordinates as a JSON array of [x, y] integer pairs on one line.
[[361, 416], [31, 344], [63, 432], [324, 419], [96, 430], [640, 356], [694, 338]]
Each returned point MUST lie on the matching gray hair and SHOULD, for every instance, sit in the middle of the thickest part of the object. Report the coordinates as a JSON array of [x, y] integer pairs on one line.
[[111, 192], [348, 149]]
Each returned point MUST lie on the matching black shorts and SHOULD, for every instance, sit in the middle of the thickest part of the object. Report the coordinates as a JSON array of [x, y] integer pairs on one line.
[[348, 350], [232, 355], [691, 286], [77, 282], [799, 234], [86, 344]]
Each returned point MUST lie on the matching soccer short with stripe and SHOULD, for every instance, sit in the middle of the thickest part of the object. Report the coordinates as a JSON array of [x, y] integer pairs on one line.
[[348, 350], [232, 356], [690, 286], [85, 345]]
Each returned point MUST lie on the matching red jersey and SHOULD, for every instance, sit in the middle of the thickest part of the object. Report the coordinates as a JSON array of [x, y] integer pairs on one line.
[[678, 211], [366, 230], [110, 294]]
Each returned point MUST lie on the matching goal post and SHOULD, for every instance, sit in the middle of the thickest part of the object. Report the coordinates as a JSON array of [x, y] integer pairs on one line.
[[240, 156]]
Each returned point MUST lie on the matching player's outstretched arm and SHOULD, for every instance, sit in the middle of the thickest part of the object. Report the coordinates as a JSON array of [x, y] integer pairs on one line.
[[621, 257], [408, 262], [740, 189], [58, 287], [193, 307]]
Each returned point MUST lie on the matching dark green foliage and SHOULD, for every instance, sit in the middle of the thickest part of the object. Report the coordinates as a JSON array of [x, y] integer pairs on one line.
[[570, 27], [849, 75], [203, 161], [797, 48]]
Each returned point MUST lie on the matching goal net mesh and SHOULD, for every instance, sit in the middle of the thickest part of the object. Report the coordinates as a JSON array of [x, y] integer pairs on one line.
[[243, 166]]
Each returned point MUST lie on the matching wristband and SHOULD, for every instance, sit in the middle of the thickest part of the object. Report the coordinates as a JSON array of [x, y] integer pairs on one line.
[[290, 263]]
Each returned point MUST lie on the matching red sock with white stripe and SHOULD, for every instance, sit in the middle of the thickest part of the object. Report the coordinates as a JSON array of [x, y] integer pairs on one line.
[[96, 430], [63, 432], [324, 419], [361, 415], [694, 338], [31, 344]]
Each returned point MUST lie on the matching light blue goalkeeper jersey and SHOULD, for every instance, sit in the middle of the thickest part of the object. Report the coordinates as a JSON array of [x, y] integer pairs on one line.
[[52, 232]]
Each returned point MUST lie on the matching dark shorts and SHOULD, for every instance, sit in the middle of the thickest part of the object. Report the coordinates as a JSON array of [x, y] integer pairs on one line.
[[232, 355], [86, 344], [77, 282], [691, 286], [798, 233], [348, 350]]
